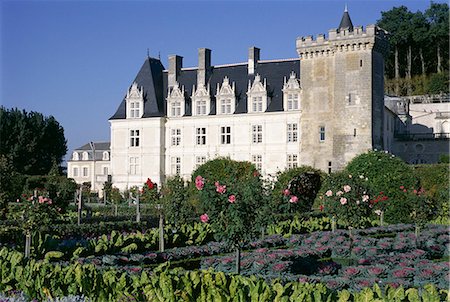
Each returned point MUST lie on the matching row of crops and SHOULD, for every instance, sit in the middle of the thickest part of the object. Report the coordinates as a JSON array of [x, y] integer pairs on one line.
[[392, 263]]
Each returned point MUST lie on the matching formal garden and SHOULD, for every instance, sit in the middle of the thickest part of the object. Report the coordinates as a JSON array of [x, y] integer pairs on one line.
[[376, 231]]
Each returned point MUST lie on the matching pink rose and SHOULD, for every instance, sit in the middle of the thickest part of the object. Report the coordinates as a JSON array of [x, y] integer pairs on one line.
[[294, 199], [339, 193], [365, 198], [199, 182], [232, 198], [221, 189], [329, 193], [204, 218], [343, 200], [286, 192], [347, 188]]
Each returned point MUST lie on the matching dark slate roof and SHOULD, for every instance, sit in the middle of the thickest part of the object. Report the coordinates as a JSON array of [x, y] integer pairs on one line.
[[150, 77], [155, 87], [346, 22], [273, 71], [99, 146]]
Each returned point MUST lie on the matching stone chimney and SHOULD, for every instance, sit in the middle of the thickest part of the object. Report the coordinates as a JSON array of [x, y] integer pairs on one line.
[[175, 65], [204, 65], [253, 58]]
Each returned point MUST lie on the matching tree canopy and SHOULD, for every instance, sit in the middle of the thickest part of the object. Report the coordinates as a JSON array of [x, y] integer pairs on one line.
[[31, 141], [419, 49]]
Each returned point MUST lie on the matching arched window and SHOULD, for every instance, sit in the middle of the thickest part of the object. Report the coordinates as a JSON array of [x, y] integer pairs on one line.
[[105, 155], [75, 156], [85, 156]]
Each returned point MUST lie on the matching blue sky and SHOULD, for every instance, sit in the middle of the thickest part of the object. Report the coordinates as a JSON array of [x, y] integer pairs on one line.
[[76, 59]]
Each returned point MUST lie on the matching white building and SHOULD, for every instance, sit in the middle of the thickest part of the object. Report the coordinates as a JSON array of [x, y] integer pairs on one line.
[[320, 109], [91, 163]]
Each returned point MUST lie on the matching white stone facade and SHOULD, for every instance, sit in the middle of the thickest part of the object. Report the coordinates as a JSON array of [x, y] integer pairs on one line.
[[85, 167], [320, 109]]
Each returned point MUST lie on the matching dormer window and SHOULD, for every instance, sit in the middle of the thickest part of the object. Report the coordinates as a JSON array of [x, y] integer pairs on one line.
[[257, 100], [75, 156], [85, 156], [201, 100], [226, 97], [135, 101], [291, 93], [257, 104], [175, 101], [105, 155]]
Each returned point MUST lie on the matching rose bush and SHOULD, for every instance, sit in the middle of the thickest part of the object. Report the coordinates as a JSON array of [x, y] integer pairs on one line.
[[346, 198]]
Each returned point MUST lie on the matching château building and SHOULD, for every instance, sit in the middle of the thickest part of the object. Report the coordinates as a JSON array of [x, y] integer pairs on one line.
[[320, 109]]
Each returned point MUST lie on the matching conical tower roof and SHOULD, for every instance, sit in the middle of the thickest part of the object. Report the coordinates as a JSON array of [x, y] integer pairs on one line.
[[346, 22]]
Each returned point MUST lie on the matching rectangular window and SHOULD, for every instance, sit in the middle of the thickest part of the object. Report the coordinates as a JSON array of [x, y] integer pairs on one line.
[[134, 138], [175, 165], [176, 137], [75, 171], [257, 161], [257, 134], [292, 161], [322, 133], [200, 136], [292, 101], [199, 160], [201, 107], [225, 107], [135, 109], [85, 171], [257, 104], [225, 135], [134, 165], [329, 167], [105, 170], [292, 133], [175, 108]]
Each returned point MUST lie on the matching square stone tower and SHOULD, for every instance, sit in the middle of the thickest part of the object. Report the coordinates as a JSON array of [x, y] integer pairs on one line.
[[343, 90]]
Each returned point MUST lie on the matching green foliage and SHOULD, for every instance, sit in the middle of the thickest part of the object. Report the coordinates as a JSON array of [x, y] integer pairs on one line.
[[425, 38], [347, 198], [385, 174], [38, 279], [444, 159], [116, 196], [6, 171], [149, 193], [303, 182], [31, 140], [178, 209], [434, 180], [438, 83], [230, 193]]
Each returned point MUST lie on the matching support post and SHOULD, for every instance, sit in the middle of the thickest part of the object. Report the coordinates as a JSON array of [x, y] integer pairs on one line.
[[79, 198], [333, 224], [238, 260], [138, 209], [161, 232], [161, 227], [27, 244]]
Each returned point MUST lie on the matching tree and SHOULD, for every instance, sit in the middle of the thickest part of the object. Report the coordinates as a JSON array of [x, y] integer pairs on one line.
[[437, 15], [397, 22], [420, 36], [178, 209], [230, 194], [32, 141]]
